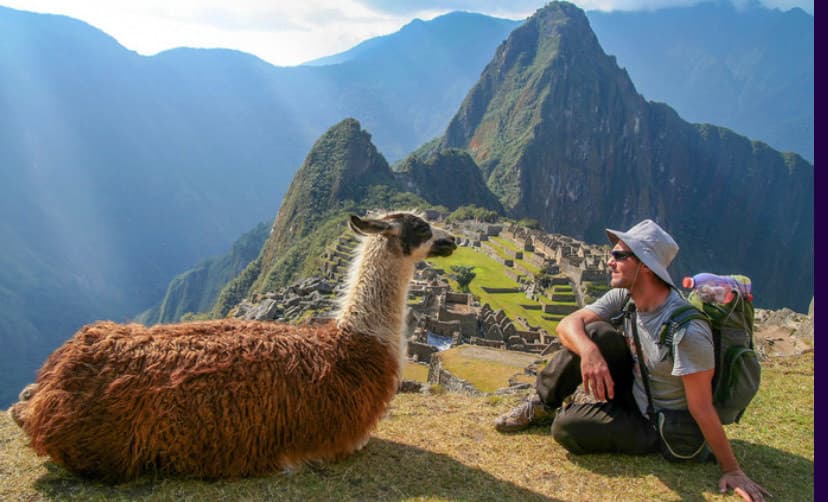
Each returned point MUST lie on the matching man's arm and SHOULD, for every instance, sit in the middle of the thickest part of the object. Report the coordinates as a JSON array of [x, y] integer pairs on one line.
[[697, 387], [594, 370]]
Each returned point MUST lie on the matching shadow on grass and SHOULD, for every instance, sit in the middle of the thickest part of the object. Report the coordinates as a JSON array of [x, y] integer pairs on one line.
[[383, 470], [785, 475]]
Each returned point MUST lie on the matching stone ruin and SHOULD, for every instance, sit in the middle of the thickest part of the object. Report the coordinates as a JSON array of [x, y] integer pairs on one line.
[[314, 294], [434, 307], [499, 331]]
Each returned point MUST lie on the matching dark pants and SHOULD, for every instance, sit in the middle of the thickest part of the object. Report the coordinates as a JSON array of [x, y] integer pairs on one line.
[[615, 426]]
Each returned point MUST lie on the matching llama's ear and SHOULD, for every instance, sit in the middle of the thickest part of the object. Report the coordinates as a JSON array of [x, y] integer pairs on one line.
[[367, 226]]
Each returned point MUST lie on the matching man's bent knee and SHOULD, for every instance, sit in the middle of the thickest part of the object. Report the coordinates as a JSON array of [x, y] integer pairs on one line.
[[565, 432], [609, 340]]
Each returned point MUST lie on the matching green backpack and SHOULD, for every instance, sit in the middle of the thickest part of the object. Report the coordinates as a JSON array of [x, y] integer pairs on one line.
[[737, 374]]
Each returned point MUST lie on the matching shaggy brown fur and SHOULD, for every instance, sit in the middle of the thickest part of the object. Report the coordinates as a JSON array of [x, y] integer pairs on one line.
[[176, 398], [233, 398]]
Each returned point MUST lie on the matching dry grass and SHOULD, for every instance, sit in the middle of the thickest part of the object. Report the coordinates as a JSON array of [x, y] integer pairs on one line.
[[486, 369], [416, 372], [444, 448]]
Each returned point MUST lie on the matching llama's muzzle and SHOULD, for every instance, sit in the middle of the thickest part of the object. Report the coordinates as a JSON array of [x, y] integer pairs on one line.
[[443, 247]]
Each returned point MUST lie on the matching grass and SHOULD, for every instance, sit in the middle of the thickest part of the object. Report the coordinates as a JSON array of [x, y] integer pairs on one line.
[[436, 448], [506, 243], [416, 372], [499, 250], [486, 369], [490, 273], [511, 246]]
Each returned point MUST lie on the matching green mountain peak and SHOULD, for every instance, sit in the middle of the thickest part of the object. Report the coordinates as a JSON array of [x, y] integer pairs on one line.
[[337, 172], [545, 61], [562, 136], [340, 166]]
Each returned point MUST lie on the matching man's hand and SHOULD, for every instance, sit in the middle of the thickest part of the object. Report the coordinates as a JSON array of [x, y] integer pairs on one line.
[[743, 486], [596, 375]]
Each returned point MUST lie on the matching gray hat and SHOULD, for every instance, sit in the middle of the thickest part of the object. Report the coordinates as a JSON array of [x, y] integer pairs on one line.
[[651, 244]]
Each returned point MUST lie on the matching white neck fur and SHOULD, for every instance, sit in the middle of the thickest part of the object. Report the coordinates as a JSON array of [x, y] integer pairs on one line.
[[375, 300]]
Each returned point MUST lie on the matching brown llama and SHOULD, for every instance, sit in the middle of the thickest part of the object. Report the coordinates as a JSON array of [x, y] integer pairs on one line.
[[233, 398]]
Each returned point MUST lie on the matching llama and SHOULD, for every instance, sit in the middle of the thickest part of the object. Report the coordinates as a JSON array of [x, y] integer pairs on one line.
[[234, 398]]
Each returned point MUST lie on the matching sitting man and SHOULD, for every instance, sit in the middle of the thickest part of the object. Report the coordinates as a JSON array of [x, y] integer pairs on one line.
[[604, 360]]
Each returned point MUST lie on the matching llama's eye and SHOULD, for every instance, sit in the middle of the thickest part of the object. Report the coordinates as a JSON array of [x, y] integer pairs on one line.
[[424, 232]]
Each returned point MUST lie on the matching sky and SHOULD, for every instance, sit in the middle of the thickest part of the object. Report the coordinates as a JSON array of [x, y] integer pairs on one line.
[[290, 32]]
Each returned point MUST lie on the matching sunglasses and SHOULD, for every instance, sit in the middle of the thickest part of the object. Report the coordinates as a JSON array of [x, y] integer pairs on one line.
[[621, 255]]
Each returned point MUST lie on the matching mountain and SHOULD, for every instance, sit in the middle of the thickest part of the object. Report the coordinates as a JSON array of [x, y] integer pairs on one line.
[[404, 87], [449, 39], [449, 178], [197, 289], [119, 171], [562, 136], [343, 173], [750, 69], [426, 171], [340, 167]]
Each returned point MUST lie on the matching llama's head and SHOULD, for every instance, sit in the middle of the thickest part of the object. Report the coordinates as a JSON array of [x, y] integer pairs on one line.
[[407, 234]]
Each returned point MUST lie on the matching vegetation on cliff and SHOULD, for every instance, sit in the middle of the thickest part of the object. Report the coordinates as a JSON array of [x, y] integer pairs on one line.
[[562, 136]]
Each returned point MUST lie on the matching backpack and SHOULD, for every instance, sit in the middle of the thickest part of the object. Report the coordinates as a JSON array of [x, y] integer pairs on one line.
[[737, 372]]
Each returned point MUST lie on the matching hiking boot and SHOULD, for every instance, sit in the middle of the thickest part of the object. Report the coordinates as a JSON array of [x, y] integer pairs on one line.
[[532, 411]]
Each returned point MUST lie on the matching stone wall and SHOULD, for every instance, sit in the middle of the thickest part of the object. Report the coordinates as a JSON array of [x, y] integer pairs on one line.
[[438, 376], [421, 351], [442, 328], [458, 298], [490, 251], [500, 290], [549, 308], [466, 324], [496, 344], [595, 275]]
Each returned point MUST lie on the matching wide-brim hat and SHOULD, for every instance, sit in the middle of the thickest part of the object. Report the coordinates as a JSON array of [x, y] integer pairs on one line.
[[651, 244]]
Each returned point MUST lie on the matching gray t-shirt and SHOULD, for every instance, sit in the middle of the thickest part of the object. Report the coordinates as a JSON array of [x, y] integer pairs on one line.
[[693, 350]]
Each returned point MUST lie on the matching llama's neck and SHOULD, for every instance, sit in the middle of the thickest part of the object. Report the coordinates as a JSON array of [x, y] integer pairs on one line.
[[375, 301]]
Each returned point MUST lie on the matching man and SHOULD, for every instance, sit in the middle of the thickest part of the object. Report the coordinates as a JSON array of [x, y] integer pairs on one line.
[[605, 361]]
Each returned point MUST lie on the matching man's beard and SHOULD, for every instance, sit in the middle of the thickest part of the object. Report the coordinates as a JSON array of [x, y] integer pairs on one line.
[[619, 282]]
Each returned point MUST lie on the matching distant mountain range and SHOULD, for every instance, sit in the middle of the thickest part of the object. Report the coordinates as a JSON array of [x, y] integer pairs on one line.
[[749, 69], [561, 136], [118, 171]]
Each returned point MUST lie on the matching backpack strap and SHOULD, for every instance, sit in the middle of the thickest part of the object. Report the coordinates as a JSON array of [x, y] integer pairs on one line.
[[645, 376], [627, 309], [679, 318]]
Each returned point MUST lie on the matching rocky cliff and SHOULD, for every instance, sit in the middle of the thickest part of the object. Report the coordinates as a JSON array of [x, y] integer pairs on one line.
[[562, 136], [448, 177], [343, 173]]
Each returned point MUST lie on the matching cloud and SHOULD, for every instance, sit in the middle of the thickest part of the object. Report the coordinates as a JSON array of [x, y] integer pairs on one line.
[[289, 33], [514, 8], [283, 33], [522, 8], [256, 15], [806, 5]]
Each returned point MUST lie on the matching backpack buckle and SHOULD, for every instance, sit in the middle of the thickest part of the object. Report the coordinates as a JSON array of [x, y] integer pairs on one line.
[[668, 329]]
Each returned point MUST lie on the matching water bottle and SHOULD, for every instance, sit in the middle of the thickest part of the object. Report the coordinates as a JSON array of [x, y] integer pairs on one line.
[[719, 288]]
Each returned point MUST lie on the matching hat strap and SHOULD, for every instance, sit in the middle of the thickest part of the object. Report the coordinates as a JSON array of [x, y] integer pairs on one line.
[[635, 277]]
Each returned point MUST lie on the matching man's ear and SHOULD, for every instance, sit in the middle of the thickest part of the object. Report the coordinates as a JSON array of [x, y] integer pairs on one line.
[[647, 270], [367, 226]]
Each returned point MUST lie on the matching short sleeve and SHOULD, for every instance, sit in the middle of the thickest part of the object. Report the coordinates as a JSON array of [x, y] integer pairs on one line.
[[609, 304], [693, 349]]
